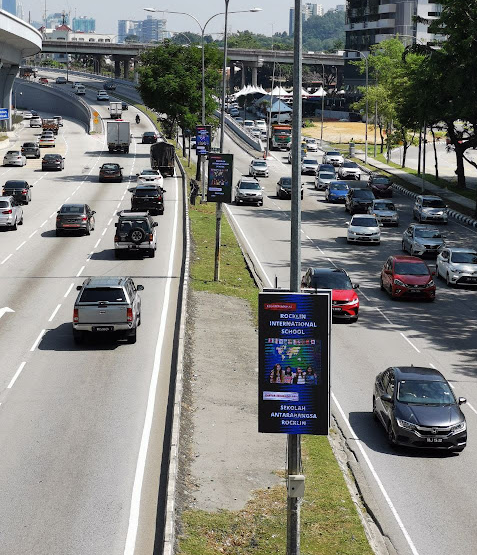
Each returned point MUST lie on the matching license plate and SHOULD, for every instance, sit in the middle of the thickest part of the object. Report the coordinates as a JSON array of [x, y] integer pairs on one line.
[[336, 309], [103, 328], [472, 280], [70, 225], [434, 440]]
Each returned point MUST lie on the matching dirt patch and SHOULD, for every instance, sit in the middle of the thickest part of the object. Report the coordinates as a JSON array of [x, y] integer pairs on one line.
[[339, 131]]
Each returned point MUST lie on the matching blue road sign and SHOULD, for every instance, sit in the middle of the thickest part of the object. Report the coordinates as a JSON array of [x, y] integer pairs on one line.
[[4, 113]]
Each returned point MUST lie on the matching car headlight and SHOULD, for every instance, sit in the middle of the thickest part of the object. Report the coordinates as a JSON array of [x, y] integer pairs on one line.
[[399, 282], [353, 302], [431, 283], [405, 424], [460, 427], [419, 246]]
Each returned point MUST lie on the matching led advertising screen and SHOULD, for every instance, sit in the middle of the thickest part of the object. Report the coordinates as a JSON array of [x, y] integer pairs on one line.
[[203, 138], [294, 353], [221, 167]]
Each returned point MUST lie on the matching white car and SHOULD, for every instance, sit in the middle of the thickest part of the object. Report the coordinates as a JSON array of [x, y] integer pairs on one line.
[[385, 211], [255, 132], [14, 158], [323, 179], [311, 144], [102, 95], [428, 208], [11, 213], [47, 139], [349, 170], [309, 166], [27, 114], [333, 157], [258, 168], [36, 121], [261, 124], [248, 124], [458, 266], [364, 228], [150, 177]]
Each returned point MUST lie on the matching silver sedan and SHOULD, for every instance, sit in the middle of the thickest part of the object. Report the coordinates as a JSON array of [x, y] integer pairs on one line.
[[14, 158]]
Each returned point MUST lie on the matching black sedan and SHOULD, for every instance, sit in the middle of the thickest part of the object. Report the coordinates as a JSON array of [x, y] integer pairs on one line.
[[109, 86], [31, 150], [284, 188], [19, 189], [110, 172], [149, 137], [417, 408], [52, 162], [75, 217], [125, 105], [381, 186]]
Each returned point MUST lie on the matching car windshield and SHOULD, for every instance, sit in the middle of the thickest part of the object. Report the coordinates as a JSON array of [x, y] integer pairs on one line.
[[333, 153], [365, 222], [384, 206], [4, 204], [29, 145], [146, 192], [51, 156], [13, 153], [150, 172], [249, 185], [259, 163], [286, 183], [71, 209], [331, 280], [381, 180], [125, 226], [433, 203], [464, 257], [350, 165], [310, 161], [338, 186], [422, 392], [103, 294], [326, 175], [428, 233], [411, 269], [110, 167], [149, 134], [15, 184], [363, 194]]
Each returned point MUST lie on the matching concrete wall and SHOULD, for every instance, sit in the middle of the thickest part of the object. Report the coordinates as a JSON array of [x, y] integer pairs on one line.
[[44, 98], [241, 132]]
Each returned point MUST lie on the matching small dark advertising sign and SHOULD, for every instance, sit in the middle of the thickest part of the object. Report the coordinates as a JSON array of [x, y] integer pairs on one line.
[[221, 167], [294, 363], [203, 138]]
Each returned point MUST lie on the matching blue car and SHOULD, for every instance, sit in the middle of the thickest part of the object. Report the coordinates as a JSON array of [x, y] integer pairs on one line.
[[336, 191]]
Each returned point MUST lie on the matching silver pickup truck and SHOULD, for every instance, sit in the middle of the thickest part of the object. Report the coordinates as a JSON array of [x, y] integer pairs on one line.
[[107, 305]]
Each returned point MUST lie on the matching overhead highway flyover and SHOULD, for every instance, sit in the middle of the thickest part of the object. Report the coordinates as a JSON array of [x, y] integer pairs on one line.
[[18, 40], [83, 427]]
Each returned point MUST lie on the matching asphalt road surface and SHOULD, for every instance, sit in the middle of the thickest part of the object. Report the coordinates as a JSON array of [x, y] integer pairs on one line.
[[82, 426], [425, 500]]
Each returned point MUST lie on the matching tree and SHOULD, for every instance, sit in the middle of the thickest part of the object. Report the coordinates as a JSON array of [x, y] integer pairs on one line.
[[170, 83]]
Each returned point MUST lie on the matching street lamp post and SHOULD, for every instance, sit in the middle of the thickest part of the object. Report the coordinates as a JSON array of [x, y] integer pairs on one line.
[[322, 102], [366, 109]]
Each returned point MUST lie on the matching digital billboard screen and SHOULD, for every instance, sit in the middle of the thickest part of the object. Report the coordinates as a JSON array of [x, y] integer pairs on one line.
[[203, 138], [221, 167], [294, 352]]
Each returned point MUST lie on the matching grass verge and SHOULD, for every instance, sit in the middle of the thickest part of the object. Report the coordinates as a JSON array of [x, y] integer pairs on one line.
[[330, 524]]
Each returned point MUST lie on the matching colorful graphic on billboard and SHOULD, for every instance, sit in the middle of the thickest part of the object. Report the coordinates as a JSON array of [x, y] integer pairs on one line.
[[203, 138], [294, 351], [221, 167]]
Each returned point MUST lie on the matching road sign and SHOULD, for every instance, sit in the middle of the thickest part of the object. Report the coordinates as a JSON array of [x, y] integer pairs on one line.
[[221, 167], [203, 138], [293, 368], [4, 113]]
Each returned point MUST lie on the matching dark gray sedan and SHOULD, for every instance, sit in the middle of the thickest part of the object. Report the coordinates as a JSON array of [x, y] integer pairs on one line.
[[75, 217], [31, 150], [52, 162]]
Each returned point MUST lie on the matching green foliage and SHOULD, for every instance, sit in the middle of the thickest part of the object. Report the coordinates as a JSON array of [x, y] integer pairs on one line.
[[170, 82], [324, 32]]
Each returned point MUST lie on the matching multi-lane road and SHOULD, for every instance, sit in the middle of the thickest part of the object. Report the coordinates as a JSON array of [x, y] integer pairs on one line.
[[82, 427], [425, 500]]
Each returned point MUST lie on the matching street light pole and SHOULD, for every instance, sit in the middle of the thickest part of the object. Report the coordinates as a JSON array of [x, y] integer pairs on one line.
[[366, 101], [322, 102]]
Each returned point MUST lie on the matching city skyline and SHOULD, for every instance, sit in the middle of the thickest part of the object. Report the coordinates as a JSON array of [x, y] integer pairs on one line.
[[274, 15]]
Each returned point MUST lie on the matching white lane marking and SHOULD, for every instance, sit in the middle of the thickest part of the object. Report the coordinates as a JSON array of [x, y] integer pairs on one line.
[[17, 373], [109, 223], [67, 199], [249, 245], [376, 477], [54, 313], [117, 206], [104, 230], [383, 315], [97, 243], [432, 366], [471, 407], [122, 198], [20, 246], [410, 342], [451, 385], [5, 259], [80, 271], [53, 213], [37, 341], [46, 221], [130, 545], [363, 293], [69, 290], [31, 234]]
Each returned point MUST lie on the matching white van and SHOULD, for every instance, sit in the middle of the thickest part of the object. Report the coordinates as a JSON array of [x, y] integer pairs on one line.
[[79, 89]]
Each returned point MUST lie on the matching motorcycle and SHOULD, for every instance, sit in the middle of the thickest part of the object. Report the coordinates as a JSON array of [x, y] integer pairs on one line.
[[138, 120]]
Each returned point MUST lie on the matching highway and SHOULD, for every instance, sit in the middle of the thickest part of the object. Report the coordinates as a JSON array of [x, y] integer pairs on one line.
[[82, 427], [420, 497]]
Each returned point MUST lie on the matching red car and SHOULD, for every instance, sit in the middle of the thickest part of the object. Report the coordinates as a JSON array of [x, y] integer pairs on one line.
[[43, 80], [408, 277], [344, 300]]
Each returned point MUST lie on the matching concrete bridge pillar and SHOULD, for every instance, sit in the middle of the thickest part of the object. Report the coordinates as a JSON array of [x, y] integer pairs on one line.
[[117, 68], [254, 75], [136, 74], [7, 77], [97, 64], [126, 68]]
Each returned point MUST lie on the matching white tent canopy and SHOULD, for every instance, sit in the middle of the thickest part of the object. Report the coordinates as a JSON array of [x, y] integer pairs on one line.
[[320, 92], [303, 93], [280, 91]]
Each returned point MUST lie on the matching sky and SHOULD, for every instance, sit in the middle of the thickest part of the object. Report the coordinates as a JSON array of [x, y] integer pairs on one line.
[[107, 13]]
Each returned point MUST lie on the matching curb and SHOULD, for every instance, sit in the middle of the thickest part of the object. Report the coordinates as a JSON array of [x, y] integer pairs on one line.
[[453, 213]]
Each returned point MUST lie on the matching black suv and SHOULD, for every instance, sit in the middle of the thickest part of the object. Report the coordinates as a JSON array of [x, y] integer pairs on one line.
[[135, 232], [147, 197], [19, 189], [358, 201], [109, 86]]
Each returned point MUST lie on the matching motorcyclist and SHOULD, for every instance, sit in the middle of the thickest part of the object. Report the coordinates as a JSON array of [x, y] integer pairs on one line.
[[138, 119]]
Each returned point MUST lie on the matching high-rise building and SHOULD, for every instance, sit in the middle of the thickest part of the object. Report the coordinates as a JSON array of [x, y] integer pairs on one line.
[[10, 6], [370, 22], [341, 7], [127, 27], [308, 10], [148, 30], [84, 24]]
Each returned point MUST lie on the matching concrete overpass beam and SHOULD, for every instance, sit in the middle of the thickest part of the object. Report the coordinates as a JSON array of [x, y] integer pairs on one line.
[[7, 77]]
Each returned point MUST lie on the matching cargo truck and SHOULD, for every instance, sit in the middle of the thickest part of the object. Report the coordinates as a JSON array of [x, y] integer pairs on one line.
[[118, 135], [115, 110], [162, 158], [280, 136], [50, 124]]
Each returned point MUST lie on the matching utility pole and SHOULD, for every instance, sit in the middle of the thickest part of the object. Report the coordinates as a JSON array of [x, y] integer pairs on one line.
[[294, 440]]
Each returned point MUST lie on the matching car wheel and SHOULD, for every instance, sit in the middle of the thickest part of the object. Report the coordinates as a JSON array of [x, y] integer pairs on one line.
[[132, 336], [118, 254], [14, 226], [391, 436], [152, 253], [21, 221], [381, 284], [403, 246], [375, 413], [78, 337], [87, 231], [411, 252], [448, 281]]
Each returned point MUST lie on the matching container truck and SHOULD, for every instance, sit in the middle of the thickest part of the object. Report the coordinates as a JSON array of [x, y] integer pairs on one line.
[[162, 158], [115, 110], [280, 136], [119, 136]]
